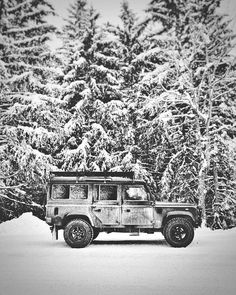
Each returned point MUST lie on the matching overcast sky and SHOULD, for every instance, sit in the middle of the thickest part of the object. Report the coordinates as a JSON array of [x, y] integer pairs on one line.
[[110, 9]]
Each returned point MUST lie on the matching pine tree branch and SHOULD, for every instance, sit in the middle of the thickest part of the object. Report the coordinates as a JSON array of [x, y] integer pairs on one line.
[[195, 107], [10, 187], [5, 209], [223, 93], [20, 202], [224, 127], [9, 176]]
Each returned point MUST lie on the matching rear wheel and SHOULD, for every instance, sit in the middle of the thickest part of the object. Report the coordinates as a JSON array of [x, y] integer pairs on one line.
[[78, 233], [178, 232]]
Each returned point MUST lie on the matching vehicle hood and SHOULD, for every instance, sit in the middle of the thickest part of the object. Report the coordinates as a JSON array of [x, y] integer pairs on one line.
[[172, 204]]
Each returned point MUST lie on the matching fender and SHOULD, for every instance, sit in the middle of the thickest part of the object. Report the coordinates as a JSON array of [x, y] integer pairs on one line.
[[180, 213], [77, 214]]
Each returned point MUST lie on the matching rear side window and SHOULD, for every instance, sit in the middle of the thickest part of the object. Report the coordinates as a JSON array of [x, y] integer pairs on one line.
[[79, 192], [106, 192], [60, 191], [74, 192]]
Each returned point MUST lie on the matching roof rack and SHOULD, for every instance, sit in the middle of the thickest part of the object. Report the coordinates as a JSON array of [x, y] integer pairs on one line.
[[96, 174]]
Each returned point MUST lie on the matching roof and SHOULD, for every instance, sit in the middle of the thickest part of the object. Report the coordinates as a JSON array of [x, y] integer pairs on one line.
[[100, 174], [94, 177]]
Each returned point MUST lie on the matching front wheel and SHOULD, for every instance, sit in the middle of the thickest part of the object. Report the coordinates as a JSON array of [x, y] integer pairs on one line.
[[78, 233], [178, 232]]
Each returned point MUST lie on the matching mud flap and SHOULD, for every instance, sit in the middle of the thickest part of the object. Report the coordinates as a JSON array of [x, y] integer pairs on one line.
[[54, 231]]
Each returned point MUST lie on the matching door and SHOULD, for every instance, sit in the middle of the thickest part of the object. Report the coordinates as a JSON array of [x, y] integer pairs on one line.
[[136, 208], [106, 205]]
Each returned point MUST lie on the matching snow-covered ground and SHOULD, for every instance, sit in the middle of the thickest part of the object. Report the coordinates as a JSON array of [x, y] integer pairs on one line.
[[31, 263]]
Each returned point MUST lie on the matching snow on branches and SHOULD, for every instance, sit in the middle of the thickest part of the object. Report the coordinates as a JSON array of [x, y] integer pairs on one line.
[[153, 96]]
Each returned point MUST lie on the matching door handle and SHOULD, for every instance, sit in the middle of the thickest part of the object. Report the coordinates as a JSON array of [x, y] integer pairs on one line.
[[127, 210], [97, 209]]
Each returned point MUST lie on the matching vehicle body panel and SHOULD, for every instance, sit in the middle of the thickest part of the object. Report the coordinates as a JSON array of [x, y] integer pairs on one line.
[[137, 215]]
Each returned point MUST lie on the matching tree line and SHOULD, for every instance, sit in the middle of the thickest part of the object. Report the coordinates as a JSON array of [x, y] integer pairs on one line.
[[154, 95]]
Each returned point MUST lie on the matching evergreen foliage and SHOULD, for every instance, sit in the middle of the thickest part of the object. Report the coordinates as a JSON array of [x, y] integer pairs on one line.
[[198, 81], [154, 96], [28, 120]]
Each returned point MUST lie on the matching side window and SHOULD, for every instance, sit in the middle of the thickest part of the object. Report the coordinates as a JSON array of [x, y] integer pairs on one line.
[[60, 191], [79, 192], [137, 193], [106, 192]]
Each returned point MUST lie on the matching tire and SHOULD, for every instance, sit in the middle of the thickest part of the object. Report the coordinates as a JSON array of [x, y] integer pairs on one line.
[[95, 233], [178, 232], [78, 233]]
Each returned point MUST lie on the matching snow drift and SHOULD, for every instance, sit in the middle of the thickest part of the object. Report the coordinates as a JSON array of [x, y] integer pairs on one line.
[[32, 263]]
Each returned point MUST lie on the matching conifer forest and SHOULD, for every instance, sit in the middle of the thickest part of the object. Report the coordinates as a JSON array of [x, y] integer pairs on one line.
[[153, 95]]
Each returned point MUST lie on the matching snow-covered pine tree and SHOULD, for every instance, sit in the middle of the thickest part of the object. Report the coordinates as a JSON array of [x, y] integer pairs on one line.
[[27, 53], [131, 43], [123, 43], [166, 127], [202, 71], [73, 32], [32, 119], [91, 91], [91, 63], [153, 61], [213, 78]]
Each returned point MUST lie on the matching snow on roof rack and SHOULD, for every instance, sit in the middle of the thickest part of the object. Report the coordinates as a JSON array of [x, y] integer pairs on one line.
[[97, 174]]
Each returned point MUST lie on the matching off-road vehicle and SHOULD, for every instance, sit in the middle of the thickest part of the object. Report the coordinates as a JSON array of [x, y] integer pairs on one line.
[[85, 204]]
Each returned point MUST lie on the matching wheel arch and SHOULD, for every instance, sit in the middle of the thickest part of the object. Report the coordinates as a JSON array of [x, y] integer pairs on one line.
[[70, 217], [171, 215]]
